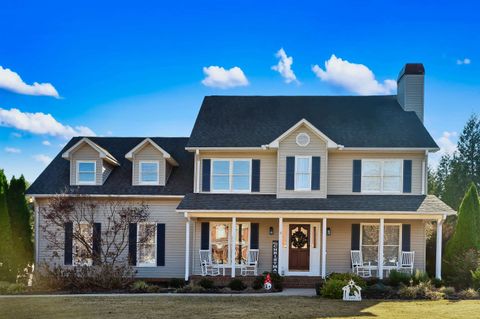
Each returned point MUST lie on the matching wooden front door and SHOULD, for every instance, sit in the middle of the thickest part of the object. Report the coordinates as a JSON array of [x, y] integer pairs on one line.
[[299, 247]]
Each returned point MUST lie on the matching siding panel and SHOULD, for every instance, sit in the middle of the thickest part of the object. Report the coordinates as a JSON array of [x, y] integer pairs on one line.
[[149, 153]]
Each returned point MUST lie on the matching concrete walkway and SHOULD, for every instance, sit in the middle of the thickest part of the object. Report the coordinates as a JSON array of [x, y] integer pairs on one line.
[[286, 292]]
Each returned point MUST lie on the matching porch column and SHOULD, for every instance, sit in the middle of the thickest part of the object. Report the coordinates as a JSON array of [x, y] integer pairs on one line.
[[438, 253], [187, 248], [280, 245], [380, 248], [234, 246], [324, 247]]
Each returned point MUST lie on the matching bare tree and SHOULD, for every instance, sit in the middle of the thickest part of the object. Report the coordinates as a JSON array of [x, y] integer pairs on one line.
[[115, 216]]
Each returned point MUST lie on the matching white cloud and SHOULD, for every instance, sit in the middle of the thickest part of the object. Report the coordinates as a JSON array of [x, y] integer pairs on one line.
[[217, 76], [353, 77], [11, 81], [13, 150], [40, 123], [448, 146], [464, 61], [284, 66], [42, 158], [46, 143]]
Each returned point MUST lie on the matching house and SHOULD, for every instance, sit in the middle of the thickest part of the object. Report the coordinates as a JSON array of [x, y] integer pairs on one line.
[[305, 180]]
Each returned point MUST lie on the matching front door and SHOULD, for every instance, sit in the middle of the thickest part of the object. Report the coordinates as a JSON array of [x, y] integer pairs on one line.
[[299, 248]]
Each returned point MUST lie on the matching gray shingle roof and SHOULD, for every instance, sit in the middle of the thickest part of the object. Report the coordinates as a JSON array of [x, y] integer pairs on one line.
[[352, 121], [55, 178], [248, 202]]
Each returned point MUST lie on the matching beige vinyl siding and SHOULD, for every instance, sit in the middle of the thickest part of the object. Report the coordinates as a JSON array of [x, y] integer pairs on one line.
[[148, 153], [268, 166], [87, 153], [161, 211], [340, 169], [289, 147], [339, 243]]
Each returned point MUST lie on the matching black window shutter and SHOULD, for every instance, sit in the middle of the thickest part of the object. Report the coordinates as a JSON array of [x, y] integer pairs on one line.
[[205, 236], [407, 176], [357, 176], [315, 172], [406, 230], [160, 244], [206, 175], [355, 237], [132, 244], [97, 243], [68, 251], [255, 175], [254, 232], [290, 173]]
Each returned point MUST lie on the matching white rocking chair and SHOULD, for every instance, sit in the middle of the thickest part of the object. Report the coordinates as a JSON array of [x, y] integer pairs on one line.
[[406, 263], [209, 268], [251, 265], [358, 266]]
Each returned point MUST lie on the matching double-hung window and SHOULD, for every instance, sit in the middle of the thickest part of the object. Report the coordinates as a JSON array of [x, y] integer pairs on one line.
[[221, 242], [82, 244], [391, 243], [86, 172], [149, 172], [231, 175], [382, 176], [303, 172], [146, 248]]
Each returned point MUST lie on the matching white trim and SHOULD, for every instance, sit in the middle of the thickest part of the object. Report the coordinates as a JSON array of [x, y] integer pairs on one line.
[[230, 243], [140, 182], [226, 149], [104, 195], [391, 149], [339, 212], [139, 264], [324, 248], [165, 154], [438, 249], [382, 165], [233, 247], [230, 175], [423, 177], [275, 143], [315, 253], [381, 241], [280, 247], [77, 173], [103, 153], [37, 228], [309, 188], [187, 249], [302, 134]]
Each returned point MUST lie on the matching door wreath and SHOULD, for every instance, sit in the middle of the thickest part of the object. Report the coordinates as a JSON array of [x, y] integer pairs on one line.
[[299, 239]]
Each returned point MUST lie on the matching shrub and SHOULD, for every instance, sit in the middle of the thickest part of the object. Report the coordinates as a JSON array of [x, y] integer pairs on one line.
[[333, 289], [420, 277], [7, 288], [237, 285], [4, 286], [378, 291], [277, 280], [449, 292], [476, 278], [176, 283], [139, 286], [346, 277], [318, 288], [258, 283], [154, 289], [206, 283], [421, 290], [396, 278], [468, 294], [437, 283]]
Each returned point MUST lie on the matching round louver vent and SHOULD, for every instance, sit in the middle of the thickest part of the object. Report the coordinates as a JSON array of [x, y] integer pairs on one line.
[[303, 139]]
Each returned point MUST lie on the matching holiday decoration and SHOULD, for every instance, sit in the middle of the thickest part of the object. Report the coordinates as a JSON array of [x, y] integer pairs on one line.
[[352, 292], [299, 239], [267, 284]]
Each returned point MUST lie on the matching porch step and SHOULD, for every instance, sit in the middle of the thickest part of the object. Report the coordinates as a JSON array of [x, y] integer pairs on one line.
[[288, 282]]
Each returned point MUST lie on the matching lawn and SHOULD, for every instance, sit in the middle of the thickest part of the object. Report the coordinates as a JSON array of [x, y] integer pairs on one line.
[[228, 307]]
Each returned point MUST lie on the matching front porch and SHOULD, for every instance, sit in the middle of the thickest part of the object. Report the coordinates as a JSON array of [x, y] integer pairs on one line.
[[303, 245]]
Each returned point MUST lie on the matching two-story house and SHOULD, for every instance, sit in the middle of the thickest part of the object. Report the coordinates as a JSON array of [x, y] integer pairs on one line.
[[305, 181]]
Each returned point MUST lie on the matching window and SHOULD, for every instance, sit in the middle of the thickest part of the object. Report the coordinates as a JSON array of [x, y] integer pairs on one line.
[[303, 169], [231, 175], [82, 243], [149, 172], [302, 139], [382, 176], [146, 247], [220, 242], [391, 243], [86, 172]]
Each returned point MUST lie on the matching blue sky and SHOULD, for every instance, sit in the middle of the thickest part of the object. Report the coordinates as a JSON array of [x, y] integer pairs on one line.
[[136, 68]]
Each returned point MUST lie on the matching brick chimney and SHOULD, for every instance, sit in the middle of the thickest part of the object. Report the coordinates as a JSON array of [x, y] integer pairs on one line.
[[410, 88]]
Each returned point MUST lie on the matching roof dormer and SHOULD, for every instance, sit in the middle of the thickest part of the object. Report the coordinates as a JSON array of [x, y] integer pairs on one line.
[[151, 164]]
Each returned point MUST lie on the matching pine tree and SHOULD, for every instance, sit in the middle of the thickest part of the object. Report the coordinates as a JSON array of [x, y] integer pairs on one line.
[[20, 217], [6, 270]]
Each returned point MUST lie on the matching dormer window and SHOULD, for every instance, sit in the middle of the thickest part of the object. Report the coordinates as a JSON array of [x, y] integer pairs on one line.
[[303, 171], [149, 172], [86, 172]]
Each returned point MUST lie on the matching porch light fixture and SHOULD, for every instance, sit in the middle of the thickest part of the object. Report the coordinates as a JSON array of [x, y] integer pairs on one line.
[[270, 231], [329, 231]]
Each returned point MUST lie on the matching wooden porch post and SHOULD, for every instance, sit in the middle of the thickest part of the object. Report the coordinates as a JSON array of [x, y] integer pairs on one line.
[[438, 253], [234, 245], [280, 245], [380, 248], [324, 247], [187, 248]]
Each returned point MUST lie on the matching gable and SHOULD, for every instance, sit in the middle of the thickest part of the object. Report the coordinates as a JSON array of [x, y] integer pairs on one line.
[[305, 127]]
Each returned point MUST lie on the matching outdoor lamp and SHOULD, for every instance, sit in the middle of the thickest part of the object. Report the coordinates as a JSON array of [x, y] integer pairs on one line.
[[270, 231]]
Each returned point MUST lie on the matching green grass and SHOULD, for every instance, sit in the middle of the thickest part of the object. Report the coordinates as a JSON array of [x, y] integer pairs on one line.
[[229, 307]]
